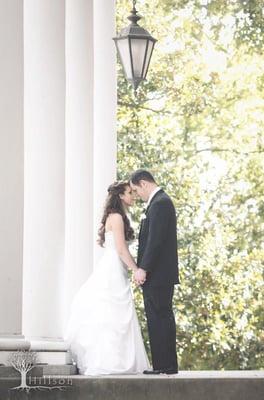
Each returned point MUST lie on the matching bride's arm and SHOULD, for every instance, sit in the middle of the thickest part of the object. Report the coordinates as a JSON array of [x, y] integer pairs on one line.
[[117, 225]]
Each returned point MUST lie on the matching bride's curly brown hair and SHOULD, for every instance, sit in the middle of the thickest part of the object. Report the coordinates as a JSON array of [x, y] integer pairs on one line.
[[114, 204]]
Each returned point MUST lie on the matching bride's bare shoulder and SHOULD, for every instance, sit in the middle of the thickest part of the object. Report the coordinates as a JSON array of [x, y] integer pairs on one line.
[[114, 219]]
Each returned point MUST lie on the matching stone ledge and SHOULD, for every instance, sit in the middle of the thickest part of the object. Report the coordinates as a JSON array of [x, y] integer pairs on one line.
[[187, 385], [39, 370], [15, 343], [245, 374], [44, 357], [48, 345]]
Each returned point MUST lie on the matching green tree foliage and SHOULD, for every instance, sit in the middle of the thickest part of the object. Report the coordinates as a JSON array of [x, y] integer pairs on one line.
[[197, 124]]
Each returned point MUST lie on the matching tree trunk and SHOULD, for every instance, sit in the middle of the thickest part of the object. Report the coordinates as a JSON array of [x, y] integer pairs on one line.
[[23, 379]]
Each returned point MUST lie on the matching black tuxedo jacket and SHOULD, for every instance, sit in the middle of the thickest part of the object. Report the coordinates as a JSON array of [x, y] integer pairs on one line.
[[157, 247]]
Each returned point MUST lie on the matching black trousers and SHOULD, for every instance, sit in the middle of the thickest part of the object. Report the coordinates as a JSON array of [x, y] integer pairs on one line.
[[161, 326]]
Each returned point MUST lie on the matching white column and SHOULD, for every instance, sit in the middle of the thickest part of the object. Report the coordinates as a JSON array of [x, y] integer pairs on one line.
[[104, 106], [44, 48], [79, 147], [90, 132], [11, 174], [69, 158]]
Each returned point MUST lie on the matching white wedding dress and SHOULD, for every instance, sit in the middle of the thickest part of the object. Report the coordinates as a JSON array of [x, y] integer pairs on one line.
[[103, 332]]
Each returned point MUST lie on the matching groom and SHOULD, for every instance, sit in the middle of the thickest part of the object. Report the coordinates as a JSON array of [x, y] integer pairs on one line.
[[158, 270]]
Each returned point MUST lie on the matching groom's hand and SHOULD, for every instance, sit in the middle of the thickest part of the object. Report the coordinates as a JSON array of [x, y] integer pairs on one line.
[[140, 276]]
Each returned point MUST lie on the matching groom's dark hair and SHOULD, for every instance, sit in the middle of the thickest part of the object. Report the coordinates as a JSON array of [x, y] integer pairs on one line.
[[141, 174]]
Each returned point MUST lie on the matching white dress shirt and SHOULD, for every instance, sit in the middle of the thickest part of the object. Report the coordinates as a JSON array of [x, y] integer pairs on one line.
[[152, 194]]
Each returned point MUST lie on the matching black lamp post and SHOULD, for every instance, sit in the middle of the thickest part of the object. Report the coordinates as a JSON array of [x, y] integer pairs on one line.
[[135, 46]]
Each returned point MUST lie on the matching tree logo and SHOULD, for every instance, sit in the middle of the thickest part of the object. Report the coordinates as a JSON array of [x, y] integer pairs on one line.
[[24, 361]]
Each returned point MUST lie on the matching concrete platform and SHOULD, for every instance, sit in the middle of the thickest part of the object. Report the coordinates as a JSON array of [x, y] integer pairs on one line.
[[187, 385], [61, 357], [39, 370]]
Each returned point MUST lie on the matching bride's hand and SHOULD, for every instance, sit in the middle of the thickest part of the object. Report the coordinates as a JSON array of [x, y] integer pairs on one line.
[[140, 276]]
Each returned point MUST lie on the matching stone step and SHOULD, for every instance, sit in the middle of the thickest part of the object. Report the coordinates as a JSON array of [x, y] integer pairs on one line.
[[39, 370], [45, 357], [187, 385]]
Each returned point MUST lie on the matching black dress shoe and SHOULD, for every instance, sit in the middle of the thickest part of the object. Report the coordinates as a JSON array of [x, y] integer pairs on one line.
[[151, 372], [168, 371]]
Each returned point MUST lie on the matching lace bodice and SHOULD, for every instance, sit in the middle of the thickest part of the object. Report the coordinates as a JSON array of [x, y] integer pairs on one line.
[[110, 240]]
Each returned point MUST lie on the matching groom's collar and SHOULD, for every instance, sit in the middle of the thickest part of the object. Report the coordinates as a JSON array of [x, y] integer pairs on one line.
[[152, 194]]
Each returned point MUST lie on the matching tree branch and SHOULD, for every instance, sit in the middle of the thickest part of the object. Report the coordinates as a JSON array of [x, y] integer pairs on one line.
[[217, 149], [131, 105]]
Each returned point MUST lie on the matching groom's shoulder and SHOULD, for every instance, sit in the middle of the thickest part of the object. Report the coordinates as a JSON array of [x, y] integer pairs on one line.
[[163, 199], [163, 196]]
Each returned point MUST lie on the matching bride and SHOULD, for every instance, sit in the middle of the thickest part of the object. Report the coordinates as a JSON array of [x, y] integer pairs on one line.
[[102, 332]]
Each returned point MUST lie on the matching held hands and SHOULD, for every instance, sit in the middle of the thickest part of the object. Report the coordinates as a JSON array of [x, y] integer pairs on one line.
[[139, 276]]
